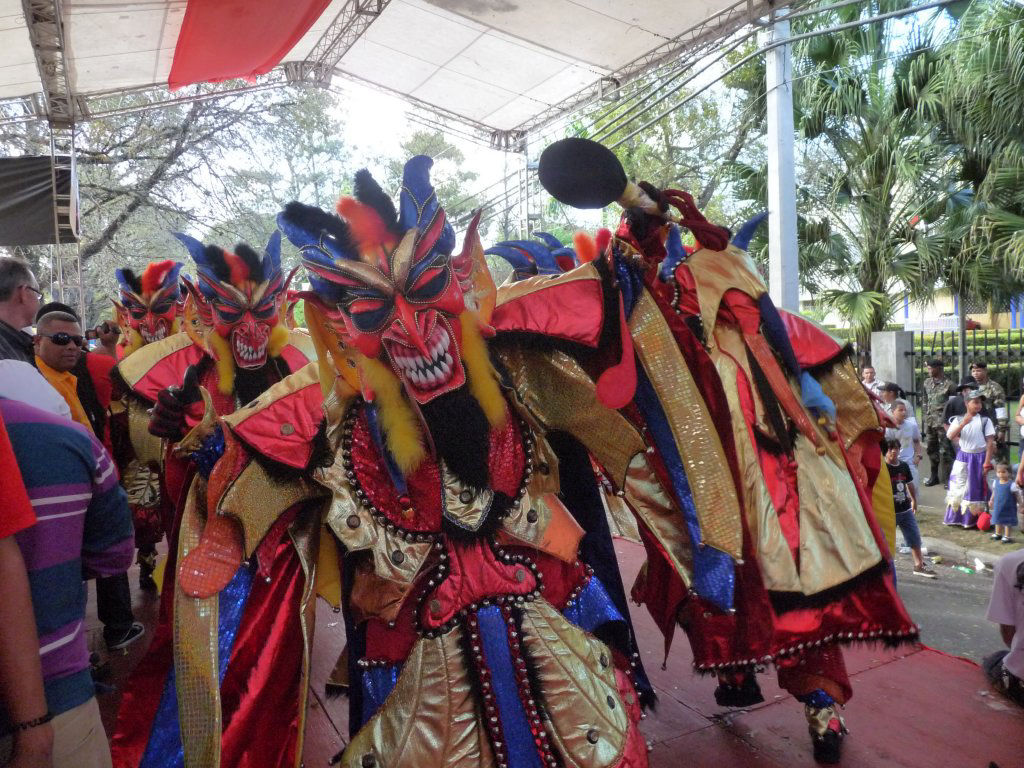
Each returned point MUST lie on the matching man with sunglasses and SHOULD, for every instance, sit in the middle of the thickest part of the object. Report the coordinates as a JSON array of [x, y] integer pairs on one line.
[[59, 343], [19, 299]]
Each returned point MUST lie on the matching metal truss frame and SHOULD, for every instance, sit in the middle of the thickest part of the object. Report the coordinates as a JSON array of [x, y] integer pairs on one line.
[[349, 25], [46, 33]]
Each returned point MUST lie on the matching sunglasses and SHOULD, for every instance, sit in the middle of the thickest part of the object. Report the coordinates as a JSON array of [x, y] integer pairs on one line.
[[63, 339]]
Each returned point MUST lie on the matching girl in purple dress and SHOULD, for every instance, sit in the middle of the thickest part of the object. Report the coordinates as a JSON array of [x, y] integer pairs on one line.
[[974, 436]]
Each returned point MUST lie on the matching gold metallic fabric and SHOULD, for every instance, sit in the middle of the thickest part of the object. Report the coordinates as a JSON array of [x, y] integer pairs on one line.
[[855, 412], [553, 531], [559, 395], [778, 571], [256, 500], [149, 449], [141, 485], [468, 515], [716, 272], [581, 697], [836, 542], [195, 653], [658, 512], [430, 719], [193, 441], [695, 434], [304, 533]]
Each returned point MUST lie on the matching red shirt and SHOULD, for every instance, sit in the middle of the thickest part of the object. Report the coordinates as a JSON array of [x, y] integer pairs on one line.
[[16, 511]]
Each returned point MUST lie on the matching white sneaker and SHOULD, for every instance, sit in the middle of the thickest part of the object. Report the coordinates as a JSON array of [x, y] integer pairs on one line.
[[904, 550]]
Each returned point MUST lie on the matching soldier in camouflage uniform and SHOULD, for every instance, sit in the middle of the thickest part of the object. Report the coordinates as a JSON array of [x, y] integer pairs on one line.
[[995, 398], [937, 389]]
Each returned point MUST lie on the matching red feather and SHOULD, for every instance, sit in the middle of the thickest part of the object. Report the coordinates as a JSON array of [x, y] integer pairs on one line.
[[603, 237], [239, 269], [366, 225], [156, 272]]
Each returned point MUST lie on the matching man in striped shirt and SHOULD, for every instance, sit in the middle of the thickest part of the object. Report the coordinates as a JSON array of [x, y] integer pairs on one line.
[[83, 529]]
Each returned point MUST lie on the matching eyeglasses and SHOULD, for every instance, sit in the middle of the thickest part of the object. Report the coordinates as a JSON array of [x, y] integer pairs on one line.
[[62, 339]]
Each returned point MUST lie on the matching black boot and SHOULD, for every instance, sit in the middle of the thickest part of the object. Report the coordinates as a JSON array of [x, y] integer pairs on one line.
[[827, 730], [933, 480], [147, 564], [745, 694]]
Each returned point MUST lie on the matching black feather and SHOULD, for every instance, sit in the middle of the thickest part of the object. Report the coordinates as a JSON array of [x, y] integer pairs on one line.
[[368, 192], [252, 260], [133, 280], [313, 219], [215, 258]]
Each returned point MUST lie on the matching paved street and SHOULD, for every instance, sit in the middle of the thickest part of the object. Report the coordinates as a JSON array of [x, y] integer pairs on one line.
[[950, 609]]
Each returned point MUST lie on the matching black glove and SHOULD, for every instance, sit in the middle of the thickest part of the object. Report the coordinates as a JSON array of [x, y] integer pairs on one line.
[[167, 418]]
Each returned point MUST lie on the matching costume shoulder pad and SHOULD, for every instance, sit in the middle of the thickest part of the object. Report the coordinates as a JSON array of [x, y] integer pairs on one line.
[[812, 345], [568, 306], [159, 365], [281, 423], [299, 350]]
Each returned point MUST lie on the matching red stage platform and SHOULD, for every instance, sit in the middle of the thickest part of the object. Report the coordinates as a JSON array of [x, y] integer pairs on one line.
[[912, 708]]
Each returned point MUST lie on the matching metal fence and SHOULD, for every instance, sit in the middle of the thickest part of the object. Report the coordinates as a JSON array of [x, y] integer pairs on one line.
[[1002, 351]]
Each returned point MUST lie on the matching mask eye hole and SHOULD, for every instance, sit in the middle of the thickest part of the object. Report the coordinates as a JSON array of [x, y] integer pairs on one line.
[[370, 314], [430, 284]]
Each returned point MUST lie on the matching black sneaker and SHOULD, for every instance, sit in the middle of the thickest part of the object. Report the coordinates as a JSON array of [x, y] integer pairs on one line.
[[146, 583], [133, 633], [931, 481]]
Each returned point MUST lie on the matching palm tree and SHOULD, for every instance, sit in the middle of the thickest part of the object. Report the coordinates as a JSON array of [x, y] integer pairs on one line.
[[872, 165]]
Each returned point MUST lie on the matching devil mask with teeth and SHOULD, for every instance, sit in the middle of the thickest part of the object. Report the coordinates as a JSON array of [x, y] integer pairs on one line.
[[386, 276], [387, 286], [148, 306], [238, 299]]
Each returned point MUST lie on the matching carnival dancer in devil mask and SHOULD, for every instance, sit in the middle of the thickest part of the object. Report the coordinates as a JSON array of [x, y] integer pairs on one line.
[[799, 566], [148, 306], [147, 311], [234, 347], [485, 617]]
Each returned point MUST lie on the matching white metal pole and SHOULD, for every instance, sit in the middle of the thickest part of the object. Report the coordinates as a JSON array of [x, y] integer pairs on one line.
[[783, 265]]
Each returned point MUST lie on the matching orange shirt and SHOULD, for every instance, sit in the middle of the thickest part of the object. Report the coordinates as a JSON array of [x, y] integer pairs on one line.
[[67, 384]]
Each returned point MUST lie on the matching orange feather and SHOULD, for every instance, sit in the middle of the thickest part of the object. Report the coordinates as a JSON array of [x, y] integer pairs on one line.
[[586, 248], [366, 225]]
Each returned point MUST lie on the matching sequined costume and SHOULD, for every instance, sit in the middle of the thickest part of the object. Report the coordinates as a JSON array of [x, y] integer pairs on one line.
[[468, 551], [146, 310], [237, 347], [768, 445]]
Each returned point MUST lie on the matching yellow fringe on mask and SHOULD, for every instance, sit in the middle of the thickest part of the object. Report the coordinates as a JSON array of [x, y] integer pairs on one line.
[[278, 339], [135, 341], [483, 382], [225, 361], [401, 429], [175, 325]]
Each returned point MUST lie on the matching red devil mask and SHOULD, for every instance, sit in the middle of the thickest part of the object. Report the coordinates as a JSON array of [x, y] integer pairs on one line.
[[387, 277], [147, 311]]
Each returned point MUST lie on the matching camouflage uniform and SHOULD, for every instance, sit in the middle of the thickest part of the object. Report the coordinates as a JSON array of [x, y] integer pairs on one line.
[[940, 450], [995, 397]]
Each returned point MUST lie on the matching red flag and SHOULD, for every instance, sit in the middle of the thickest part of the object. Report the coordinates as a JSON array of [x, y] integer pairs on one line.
[[225, 39]]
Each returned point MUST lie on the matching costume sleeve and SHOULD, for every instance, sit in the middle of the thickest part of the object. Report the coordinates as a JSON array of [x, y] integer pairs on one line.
[[17, 509], [108, 541], [1001, 603]]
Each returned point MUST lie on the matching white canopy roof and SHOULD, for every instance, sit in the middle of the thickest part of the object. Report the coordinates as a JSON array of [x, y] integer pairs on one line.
[[495, 64]]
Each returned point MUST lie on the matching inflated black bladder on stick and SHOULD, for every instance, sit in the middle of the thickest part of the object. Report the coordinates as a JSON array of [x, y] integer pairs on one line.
[[585, 174]]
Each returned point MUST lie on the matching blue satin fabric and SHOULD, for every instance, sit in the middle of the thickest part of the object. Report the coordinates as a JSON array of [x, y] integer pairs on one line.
[[378, 682], [714, 577], [817, 699], [592, 607], [164, 750], [522, 752]]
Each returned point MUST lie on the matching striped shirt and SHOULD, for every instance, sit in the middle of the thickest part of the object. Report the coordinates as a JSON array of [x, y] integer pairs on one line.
[[83, 529]]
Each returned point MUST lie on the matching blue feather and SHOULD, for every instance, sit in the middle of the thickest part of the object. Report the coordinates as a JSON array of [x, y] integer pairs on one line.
[[742, 238], [273, 252], [552, 241], [418, 205]]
